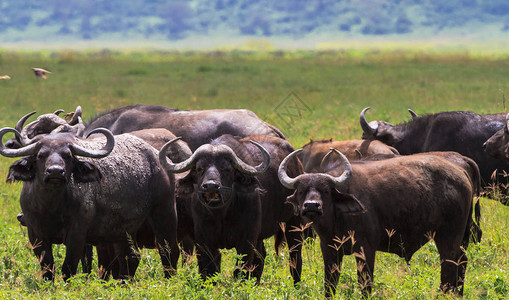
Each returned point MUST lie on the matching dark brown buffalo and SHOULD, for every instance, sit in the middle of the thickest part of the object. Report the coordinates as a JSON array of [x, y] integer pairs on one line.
[[145, 237], [156, 137], [101, 199], [196, 127], [394, 205], [237, 205], [460, 131], [498, 144], [313, 152]]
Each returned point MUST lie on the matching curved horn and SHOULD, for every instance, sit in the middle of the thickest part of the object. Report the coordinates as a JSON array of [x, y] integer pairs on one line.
[[359, 154], [347, 173], [105, 151], [57, 112], [285, 180], [24, 151], [77, 114], [21, 122], [412, 113], [368, 130], [181, 167], [24, 139], [248, 169]]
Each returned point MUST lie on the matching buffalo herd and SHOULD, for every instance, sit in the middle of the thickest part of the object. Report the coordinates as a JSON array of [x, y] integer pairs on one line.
[[183, 181]]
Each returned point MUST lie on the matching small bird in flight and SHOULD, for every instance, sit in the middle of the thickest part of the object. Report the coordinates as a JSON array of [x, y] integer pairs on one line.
[[40, 73], [5, 77]]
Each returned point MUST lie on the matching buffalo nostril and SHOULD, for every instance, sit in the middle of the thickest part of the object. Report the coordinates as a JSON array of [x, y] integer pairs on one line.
[[210, 186], [55, 171], [311, 205]]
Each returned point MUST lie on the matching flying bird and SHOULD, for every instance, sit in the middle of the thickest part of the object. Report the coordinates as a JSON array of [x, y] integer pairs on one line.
[[40, 73], [5, 77]]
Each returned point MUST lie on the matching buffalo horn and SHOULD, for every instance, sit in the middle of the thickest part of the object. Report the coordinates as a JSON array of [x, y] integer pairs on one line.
[[412, 113], [368, 130], [171, 167], [105, 151], [347, 173], [77, 114], [215, 149], [57, 112], [24, 151], [21, 122], [245, 168], [285, 180], [24, 139]]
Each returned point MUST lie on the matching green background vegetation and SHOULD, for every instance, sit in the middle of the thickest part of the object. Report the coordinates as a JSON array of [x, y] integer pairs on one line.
[[333, 87], [178, 19]]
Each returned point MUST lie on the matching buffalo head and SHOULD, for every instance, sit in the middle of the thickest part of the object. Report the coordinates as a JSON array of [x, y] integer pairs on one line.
[[44, 124], [318, 194], [381, 130], [215, 170], [498, 144], [52, 159]]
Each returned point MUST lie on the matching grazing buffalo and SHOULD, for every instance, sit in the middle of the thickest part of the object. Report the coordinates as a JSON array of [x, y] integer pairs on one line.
[[102, 199], [460, 131], [394, 205], [196, 127], [498, 144], [237, 205], [313, 152]]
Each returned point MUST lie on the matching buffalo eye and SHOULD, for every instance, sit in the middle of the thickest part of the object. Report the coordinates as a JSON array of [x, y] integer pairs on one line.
[[225, 168], [42, 155], [199, 169], [66, 155]]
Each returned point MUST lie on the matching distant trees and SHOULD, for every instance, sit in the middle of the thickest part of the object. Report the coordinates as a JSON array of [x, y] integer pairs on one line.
[[176, 19]]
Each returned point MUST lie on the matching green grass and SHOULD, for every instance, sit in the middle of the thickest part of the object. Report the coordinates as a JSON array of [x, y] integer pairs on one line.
[[333, 88]]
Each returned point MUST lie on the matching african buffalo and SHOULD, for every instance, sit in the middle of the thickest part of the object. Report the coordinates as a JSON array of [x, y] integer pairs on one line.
[[394, 205], [196, 127], [313, 152], [460, 131], [498, 144], [237, 205], [102, 199]]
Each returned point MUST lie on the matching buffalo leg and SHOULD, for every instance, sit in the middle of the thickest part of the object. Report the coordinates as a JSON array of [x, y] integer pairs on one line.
[[128, 259], [294, 240], [86, 259], [209, 261], [107, 261], [365, 266], [258, 261], [332, 260], [44, 254], [164, 222], [453, 269], [73, 253]]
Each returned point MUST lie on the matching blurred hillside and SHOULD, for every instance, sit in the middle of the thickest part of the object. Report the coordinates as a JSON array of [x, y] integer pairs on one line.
[[33, 20]]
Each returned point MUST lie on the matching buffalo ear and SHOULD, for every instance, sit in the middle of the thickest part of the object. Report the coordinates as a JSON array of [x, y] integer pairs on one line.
[[292, 199], [86, 172], [347, 203], [22, 170]]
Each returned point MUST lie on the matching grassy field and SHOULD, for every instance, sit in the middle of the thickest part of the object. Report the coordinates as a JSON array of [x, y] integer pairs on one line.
[[308, 95]]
